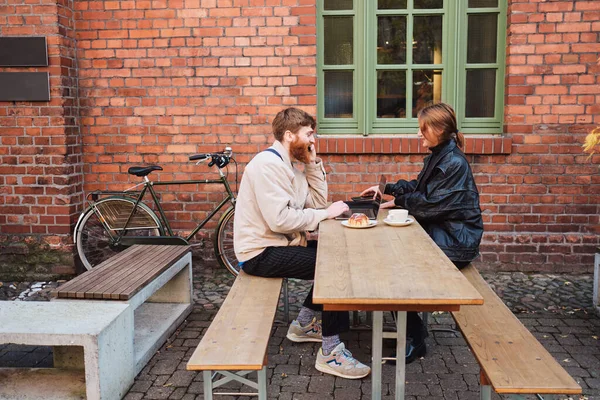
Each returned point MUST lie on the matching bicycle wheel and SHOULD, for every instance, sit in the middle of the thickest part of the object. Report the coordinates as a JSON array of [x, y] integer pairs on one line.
[[95, 239], [224, 243]]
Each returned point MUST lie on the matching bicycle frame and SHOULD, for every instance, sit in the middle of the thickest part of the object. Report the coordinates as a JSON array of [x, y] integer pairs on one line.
[[171, 238]]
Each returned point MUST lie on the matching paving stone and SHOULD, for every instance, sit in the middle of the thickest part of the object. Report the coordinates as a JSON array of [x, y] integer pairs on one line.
[[559, 315], [159, 392]]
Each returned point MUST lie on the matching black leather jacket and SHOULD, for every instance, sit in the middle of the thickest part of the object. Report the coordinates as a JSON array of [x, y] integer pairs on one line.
[[445, 201]]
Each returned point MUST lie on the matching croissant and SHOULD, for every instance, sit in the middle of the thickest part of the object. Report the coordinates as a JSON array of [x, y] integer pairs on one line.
[[358, 220]]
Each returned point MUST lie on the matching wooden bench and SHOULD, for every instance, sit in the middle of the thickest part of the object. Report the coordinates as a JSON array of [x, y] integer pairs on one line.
[[155, 280], [238, 336], [512, 361]]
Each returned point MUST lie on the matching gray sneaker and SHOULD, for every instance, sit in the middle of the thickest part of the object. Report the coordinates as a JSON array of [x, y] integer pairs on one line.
[[308, 333], [341, 363]]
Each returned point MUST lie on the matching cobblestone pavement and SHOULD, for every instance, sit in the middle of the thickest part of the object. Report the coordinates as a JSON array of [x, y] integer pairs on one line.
[[557, 309]]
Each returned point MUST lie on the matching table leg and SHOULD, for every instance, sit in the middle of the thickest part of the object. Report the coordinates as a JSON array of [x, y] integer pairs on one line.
[[400, 351], [376, 355]]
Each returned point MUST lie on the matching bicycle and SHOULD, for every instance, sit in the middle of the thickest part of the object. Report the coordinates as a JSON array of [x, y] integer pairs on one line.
[[110, 224]]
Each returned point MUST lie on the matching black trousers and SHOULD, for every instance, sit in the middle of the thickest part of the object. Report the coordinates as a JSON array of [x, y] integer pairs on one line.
[[414, 324], [297, 262]]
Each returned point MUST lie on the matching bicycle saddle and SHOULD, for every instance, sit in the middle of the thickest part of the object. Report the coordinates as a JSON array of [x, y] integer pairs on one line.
[[143, 171]]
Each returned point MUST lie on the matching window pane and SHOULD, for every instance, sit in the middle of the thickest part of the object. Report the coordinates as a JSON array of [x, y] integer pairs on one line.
[[391, 40], [483, 3], [427, 89], [391, 94], [391, 4], [338, 94], [427, 42], [481, 93], [337, 5], [482, 39], [339, 42], [429, 4]]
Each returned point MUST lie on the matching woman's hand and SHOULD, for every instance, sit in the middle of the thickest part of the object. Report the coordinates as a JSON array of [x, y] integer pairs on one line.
[[373, 190], [387, 204]]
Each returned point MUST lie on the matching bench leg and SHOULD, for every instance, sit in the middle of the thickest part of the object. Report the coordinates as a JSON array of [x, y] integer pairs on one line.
[[260, 385], [286, 303], [262, 381], [485, 392], [208, 389]]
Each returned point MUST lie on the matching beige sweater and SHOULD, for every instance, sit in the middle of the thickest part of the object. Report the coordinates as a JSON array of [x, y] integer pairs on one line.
[[276, 203]]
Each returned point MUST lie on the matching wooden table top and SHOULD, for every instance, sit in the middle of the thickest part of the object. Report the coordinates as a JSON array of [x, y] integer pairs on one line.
[[386, 268]]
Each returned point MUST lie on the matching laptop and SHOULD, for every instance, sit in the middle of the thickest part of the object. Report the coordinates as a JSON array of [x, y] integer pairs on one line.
[[366, 205]]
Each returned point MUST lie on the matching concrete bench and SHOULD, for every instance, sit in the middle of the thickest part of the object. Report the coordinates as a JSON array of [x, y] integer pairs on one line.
[[92, 343], [238, 336], [155, 280], [512, 361]]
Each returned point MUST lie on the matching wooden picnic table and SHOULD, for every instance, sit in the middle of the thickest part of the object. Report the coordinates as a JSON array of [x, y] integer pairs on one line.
[[386, 268]]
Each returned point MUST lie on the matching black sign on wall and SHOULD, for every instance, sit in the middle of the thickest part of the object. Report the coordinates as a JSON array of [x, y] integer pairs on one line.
[[23, 52], [24, 86]]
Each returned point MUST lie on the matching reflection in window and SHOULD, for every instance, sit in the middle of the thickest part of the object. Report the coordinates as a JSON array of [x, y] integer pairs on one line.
[[391, 94], [391, 4], [481, 93], [391, 40], [483, 3], [482, 38], [419, 4], [427, 42], [427, 89], [338, 94], [337, 4], [339, 43]]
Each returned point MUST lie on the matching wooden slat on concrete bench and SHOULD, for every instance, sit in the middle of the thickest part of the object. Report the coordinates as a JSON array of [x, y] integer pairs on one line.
[[238, 336], [155, 280], [511, 358], [122, 276]]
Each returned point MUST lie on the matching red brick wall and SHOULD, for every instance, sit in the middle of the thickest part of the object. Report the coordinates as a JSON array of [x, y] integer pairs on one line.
[[40, 145], [159, 80]]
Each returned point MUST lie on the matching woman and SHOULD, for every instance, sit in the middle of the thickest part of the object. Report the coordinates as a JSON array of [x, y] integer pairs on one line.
[[443, 198]]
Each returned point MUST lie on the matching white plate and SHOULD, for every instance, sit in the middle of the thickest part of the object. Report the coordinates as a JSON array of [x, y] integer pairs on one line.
[[371, 224], [394, 223]]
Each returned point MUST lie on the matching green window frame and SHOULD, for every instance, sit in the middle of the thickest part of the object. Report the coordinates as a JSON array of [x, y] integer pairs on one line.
[[465, 71]]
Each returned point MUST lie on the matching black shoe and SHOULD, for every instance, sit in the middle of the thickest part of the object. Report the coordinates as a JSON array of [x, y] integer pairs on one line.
[[412, 352]]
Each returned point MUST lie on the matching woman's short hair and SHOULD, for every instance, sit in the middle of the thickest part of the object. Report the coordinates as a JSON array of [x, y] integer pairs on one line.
[[441, 118], [291, 119]]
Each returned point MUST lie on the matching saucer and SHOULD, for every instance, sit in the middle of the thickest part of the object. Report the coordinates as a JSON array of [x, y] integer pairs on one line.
[[408, 221], [371, 224]]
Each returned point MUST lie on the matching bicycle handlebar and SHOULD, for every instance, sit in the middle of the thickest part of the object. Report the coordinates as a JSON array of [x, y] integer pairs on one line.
[[220, 158]]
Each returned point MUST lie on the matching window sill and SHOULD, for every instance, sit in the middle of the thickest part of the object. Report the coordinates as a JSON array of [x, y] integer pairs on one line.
[[406, 145]]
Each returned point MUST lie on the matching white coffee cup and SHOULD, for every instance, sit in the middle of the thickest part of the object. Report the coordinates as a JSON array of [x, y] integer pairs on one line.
[[398, 215]]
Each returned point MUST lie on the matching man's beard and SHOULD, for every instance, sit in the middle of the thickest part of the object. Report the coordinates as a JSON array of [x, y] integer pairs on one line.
[[300, 150]]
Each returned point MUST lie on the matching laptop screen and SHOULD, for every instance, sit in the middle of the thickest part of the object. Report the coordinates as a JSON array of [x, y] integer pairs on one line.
[[368, 206]]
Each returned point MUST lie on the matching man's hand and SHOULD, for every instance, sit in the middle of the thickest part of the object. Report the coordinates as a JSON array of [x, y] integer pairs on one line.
[[312, 154], [336, 209], [373, 190]]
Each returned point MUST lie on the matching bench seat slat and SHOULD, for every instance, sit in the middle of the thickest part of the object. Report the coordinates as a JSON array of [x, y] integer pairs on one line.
[[127, 288], [510, 356], [238, 336], [112, 288], [124, 274], [72, 287]]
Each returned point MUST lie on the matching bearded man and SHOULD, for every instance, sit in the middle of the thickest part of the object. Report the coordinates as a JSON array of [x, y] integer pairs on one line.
[[275, 207]]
